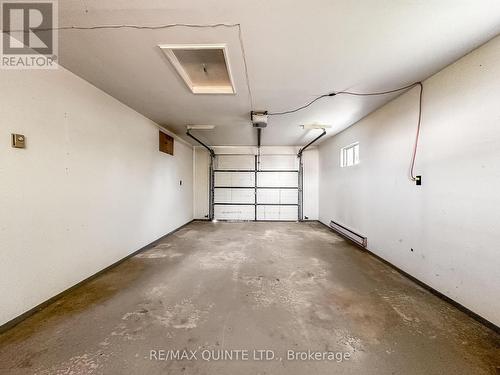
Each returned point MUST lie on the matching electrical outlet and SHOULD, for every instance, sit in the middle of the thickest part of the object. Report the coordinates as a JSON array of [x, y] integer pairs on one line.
[[418, 180]]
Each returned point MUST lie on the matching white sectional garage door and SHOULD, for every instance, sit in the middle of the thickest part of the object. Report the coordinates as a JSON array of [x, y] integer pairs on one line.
[[277, 188], [247, 188], [234, 187]]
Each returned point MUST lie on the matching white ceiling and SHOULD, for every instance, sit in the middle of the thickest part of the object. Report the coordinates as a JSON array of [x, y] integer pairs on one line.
[[295, 50]]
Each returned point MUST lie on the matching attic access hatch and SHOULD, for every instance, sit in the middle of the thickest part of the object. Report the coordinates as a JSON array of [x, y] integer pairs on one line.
[[203, 67]]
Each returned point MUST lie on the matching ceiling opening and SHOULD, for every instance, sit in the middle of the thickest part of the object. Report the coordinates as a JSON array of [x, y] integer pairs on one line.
[[203, 67]]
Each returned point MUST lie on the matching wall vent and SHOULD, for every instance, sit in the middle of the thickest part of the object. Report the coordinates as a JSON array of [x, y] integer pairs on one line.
[[348, 233], [203, 67], [166, 143]]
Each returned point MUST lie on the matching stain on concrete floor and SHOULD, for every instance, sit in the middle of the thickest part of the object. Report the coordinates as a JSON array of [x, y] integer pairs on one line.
[[250, 286]]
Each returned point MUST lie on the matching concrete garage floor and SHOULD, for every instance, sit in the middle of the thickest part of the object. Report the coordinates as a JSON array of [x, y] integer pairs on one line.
[[274, 286]]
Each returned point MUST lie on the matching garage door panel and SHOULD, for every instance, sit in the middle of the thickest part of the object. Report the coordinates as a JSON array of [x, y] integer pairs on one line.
[[277, 183], [235, 162], [277, 196], [277, 179], [229, 179], [234, 196], [279, 162], [289, 213], [233, 212]]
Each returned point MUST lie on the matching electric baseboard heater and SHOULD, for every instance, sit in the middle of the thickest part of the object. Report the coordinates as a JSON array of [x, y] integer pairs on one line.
[[346, 232]]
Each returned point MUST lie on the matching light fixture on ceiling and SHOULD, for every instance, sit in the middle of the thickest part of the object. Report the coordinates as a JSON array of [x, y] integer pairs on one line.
[[315, 126], [214, 77], [200, 127]]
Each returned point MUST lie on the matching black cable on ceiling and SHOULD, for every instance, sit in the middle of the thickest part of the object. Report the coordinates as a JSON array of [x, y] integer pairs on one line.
[[132, 26], [335, 93], [407, 87]]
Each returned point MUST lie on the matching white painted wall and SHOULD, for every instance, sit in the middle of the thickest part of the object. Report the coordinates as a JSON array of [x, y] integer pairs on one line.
[[453, 220], [90, 188], [201, 168], [201, 183], [310, 159]]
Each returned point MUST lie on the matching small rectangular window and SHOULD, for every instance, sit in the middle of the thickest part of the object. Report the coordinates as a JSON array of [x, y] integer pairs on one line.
[[349, 155]]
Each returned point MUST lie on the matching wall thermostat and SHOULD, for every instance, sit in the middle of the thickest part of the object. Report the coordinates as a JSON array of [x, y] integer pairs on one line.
[[18, 141]]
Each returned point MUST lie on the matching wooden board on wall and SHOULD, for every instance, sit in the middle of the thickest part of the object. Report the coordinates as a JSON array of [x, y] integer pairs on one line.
[[166, 143]]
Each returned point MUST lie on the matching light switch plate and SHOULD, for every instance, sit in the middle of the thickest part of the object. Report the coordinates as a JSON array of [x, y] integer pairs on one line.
[[18, 141]]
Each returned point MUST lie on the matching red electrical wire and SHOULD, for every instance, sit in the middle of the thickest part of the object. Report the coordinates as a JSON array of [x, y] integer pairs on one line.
[[414, 155]]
